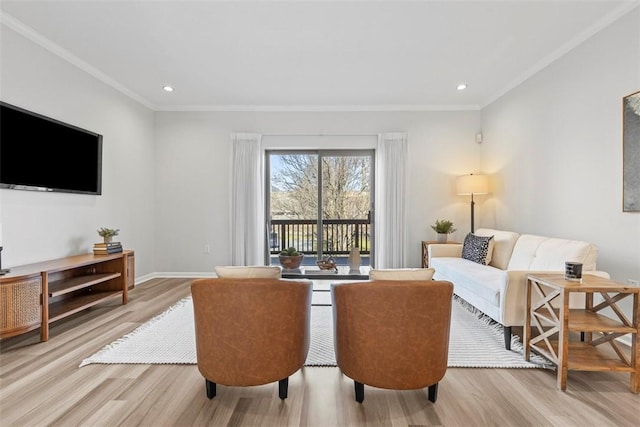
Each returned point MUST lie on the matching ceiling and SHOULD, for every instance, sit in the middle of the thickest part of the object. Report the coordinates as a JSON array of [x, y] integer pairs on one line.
[[311, 55]]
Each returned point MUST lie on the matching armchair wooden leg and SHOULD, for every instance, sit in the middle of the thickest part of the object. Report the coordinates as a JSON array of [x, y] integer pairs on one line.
[[283, 388], [359, 391], [507, 337], [211, 389], [433, 392]]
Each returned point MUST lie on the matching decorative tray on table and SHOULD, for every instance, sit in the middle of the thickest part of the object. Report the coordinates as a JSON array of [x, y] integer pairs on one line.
[[327, 264]]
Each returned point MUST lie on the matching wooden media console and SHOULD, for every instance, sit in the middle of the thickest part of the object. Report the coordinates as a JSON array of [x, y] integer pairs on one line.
[[35, 295]]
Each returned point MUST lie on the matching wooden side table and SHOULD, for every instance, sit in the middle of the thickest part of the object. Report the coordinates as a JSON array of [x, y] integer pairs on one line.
[[553, 342], [425, 255]]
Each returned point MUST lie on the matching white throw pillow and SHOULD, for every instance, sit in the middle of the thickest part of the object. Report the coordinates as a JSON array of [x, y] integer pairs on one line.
[[501, 246], [402, 274], [492, 244], [249, 272]]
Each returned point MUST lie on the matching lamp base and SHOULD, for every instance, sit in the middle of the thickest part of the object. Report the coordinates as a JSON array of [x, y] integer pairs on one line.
[[472, 214]]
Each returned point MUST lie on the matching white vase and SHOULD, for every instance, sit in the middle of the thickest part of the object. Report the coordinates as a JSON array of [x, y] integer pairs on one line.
[[442, 237], [354, 259]]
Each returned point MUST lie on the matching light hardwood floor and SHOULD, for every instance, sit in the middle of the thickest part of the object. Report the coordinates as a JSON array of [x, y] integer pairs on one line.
[[41, 384]]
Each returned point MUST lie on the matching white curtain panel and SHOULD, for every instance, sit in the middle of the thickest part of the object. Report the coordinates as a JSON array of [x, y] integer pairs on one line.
[[391, 187], [247, 194]]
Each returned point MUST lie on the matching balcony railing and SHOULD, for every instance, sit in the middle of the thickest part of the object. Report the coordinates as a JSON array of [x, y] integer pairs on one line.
[[338, 236]]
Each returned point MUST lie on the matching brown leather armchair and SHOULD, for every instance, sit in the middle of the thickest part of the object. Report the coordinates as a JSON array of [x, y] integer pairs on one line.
[[392, 334], [250, 331]]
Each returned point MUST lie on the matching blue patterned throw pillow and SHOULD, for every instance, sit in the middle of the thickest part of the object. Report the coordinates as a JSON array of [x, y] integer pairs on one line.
[[476, 248]]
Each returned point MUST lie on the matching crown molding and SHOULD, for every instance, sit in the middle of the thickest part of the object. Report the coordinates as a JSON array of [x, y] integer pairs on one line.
[[604, 22], [31, 34], [39, 39], [317, 108]]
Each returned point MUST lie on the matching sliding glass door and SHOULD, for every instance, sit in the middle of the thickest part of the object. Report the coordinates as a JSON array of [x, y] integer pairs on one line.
[[321, 203]]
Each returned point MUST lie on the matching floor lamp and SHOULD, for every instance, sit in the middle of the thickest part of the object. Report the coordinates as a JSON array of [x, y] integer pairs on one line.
[[472, 184]]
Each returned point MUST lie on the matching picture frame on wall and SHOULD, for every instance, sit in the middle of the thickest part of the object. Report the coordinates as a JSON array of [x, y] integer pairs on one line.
[[631, 152]]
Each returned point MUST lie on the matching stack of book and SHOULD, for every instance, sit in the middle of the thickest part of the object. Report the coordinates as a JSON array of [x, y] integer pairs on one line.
[[107, 248]]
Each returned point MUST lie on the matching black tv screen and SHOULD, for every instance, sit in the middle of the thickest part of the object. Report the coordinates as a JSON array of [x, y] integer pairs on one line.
[[43, 154]]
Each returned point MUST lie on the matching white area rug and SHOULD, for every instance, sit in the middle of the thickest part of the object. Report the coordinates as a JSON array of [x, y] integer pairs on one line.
[[476, 341]]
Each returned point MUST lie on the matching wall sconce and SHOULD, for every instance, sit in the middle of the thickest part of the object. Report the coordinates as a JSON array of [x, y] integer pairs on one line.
[[469, 185]]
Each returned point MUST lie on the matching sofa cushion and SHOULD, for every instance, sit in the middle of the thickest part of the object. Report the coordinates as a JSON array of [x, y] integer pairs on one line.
[[549, 254], [503, 243], [477, 248], [484, 281], [249, 272], [401, 274]]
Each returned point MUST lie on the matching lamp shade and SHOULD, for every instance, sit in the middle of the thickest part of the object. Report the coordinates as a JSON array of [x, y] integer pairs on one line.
[[472, 184]]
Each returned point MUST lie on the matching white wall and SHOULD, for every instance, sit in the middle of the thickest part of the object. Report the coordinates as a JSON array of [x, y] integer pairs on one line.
[[40, 226], [569, 111], [554, 146], [190, 151], [193, 182]]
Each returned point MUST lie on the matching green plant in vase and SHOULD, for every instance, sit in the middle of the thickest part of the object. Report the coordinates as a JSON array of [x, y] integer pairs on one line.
[[108, 233], [290, 258], [443, 227]]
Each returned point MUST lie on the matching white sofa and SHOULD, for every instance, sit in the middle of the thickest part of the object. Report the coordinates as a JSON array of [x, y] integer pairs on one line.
[[498, 289]]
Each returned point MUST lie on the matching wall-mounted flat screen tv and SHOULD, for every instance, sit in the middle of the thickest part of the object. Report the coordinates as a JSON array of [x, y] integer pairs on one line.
[[42, 154]]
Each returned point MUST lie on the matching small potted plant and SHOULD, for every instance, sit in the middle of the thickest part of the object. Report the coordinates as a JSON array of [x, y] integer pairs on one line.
[[443, 227], [290, 258], [108, 233]]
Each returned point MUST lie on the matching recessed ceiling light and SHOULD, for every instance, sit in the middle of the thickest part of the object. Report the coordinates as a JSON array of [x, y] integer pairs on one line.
[[167, 88], [461, 86]]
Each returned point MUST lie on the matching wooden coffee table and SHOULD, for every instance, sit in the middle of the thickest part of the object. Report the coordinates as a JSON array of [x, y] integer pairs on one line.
[[554, 323]]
